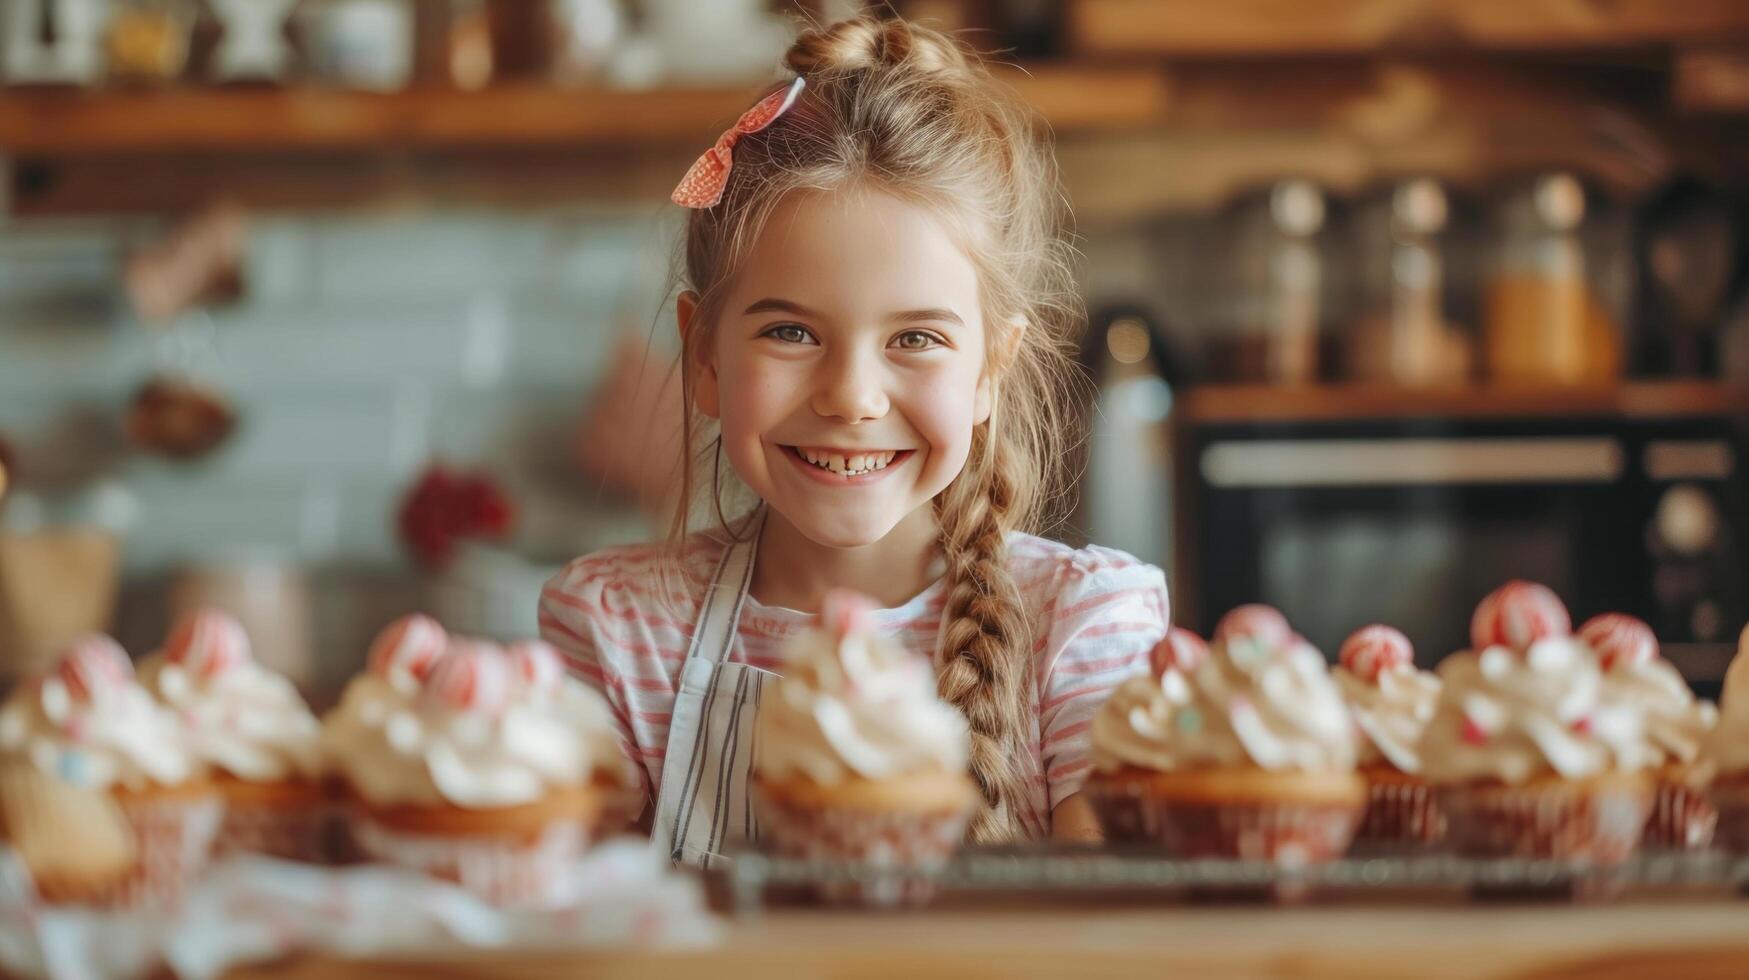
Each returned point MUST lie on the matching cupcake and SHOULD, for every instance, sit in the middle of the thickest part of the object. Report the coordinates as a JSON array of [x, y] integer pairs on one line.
[[466, 782], [542, 684], [253, 733], [856, 758], [1527, 758], [399, 659], [1391, 702], [88, 723], [1727, 753], [1676, 725], [1242, 751]]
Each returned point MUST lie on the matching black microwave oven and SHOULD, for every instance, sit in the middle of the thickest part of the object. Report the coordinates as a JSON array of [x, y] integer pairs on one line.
[[1345, 507]]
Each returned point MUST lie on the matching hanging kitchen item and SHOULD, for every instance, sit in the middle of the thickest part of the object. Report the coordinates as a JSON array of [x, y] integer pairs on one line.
[[1278, 288], [1545, 320], [176, 413], [1689, 244], [253, 45], [1404, 334], [52, 41]]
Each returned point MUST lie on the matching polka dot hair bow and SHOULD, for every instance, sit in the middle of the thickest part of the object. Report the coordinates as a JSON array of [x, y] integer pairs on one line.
[[703, 185]]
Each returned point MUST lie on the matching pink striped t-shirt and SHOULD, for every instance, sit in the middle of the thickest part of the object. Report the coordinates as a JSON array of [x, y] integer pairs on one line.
[[625, 628]]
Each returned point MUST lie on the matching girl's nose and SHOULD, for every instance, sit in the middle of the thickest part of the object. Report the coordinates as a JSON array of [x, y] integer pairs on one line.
[[850, 389]]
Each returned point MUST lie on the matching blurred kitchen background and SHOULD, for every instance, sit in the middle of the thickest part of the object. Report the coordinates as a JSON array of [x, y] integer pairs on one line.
[[325, 310]]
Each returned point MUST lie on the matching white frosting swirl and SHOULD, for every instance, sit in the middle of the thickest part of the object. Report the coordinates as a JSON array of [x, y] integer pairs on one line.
[[1390, 714], [1252, 703], [856, 705], [1676, 721], [1151, 723], [426, 751], [1508, 717], [1728, 746], [244, 720], [119, 738]]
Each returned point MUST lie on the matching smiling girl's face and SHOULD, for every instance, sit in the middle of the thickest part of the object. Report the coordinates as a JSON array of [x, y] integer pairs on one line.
[[848, 364]]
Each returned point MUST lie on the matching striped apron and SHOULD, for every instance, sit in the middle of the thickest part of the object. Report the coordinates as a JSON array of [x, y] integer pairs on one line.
[[704, 807]]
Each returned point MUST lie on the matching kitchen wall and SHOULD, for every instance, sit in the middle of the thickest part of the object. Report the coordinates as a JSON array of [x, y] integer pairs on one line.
[[366, 344]]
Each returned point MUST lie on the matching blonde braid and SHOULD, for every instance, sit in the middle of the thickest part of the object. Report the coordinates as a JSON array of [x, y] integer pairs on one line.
[[985, 668]]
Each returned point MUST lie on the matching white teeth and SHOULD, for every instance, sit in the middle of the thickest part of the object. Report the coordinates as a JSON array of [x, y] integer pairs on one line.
[[855, 464]]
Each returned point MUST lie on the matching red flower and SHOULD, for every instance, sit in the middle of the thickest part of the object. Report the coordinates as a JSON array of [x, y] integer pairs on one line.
[[444, 506]]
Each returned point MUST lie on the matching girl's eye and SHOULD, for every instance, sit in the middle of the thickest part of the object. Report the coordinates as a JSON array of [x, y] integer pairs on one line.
[[916, 340], [789, 333]]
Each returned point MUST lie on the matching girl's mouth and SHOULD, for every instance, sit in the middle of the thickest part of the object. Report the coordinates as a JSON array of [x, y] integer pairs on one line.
[[841, 467]]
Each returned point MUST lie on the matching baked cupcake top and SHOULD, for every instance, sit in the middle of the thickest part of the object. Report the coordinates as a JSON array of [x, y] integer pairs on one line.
[[1263, 698], [1136, 725], [854, 704], [1390, 699], [1727, 748], [237, 716], [89, 722], [1636, 676], [541, 684], [471, 738], [400, 657], [1527, 700]]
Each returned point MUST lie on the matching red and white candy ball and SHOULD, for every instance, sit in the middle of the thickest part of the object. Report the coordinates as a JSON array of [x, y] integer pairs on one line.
[[537, 665], [409, 646], [91, 666], [208, 644], [471, 677], [1263, 624], [1517, 615], [1372, 650], [1619, 640], [846, 612], [1179, 650]]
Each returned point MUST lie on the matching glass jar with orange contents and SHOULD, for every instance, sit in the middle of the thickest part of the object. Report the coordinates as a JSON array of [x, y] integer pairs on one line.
[[1546, 320], [147, 41]]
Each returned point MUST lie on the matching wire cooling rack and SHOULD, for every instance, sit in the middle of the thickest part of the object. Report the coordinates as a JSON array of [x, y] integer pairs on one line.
[[753, 877]]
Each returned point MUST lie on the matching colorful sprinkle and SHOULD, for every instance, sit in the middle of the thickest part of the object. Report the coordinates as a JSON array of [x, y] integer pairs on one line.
[[71, 767], [1473, 733], [1190, 720]]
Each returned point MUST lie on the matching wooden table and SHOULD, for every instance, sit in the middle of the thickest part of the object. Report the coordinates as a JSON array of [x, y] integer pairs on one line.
[[1683, 935]]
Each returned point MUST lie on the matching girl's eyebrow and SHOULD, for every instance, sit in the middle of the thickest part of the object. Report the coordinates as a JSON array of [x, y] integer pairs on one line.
[[772, 304]]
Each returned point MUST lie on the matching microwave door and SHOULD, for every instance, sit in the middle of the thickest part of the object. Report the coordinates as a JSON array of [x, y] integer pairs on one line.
[[1408, 530]]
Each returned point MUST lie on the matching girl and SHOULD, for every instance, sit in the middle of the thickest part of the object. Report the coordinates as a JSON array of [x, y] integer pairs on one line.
[[874, 324]]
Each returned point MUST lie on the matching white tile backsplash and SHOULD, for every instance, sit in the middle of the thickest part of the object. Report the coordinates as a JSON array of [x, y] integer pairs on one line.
[[365, 346]]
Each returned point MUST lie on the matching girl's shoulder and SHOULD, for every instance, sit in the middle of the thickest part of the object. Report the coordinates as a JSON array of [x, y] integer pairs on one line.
[[1043, 565], [673, 575]]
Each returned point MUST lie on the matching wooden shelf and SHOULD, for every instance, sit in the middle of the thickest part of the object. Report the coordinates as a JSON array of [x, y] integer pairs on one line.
[[1271, 27], [1711, 79], [51, 123], [1225, 404]]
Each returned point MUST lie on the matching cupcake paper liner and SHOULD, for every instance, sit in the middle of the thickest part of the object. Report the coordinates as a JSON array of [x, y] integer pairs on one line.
[[899, 839], [1284, 832], [174, 841], [295, 833], [503, 870], [1399, 812], [1682, 817], [1550, 820]]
